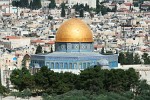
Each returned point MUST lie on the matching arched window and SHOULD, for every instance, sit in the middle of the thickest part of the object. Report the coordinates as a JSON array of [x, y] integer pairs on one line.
[[66, 66], [84, 65], [52, 65], [57, 66], [80, 65], [61, 65], [75, 66], [70, 66], [47, 64], [88, 65]]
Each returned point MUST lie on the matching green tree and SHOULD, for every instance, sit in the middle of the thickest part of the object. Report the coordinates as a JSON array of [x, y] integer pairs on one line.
[[86, 8], [114, 9], [36, 4], [146, 58], [76, 7], [50, 17], [97, 4], [31, 4], [121, 58], [81, 6], [51, 49], [132, 79], [45, 96], [137, 59], [52, 4], [26, 93], [81, 13], [120, 80], [63, 5], [103, 50], [129, 58], [3, 89], [91, 80], [143, 91], [115, 80], [101, 8], [141, 1], [14, 3], [68, 81], [135, 4], [104, 10], [63, 13], [42, 79], [39, 49], [23, 3], [22, 79], [26, 3]]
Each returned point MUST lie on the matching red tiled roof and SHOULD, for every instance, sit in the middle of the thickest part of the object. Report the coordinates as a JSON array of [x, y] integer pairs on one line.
[[37, 41], [128, 4], [12, 37], [6, 14], [4, 4], [123, 9], [50, 42], [98, 46]]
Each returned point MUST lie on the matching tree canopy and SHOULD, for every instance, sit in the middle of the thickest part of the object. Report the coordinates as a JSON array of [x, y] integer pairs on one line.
[[39, 49], [63, 13], [21, 79], [128, 58], [52, 4], [146, 58], [94, 80], [34, 4], [81, 13], [91, 84]]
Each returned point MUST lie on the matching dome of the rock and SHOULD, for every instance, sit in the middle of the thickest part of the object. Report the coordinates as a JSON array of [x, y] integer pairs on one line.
[[74, 30]]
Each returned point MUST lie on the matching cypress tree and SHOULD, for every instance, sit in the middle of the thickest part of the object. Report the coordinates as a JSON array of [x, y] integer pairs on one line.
[[36, 4], [63, 14], [21, 3], [52, 5], [31, 5], [39, 49], [14, 3], [26, 3], [137, 59], [81, 13], [103, 51], [77, 7], [86, 8]]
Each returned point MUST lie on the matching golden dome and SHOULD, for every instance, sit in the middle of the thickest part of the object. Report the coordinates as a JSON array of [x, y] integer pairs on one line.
[[74, 30]]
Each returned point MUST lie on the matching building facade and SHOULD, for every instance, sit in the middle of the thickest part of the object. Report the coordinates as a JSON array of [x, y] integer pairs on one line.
[[73, 50]]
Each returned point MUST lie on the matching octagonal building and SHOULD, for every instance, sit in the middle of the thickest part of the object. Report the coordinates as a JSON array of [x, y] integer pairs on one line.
[[74, 50]]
